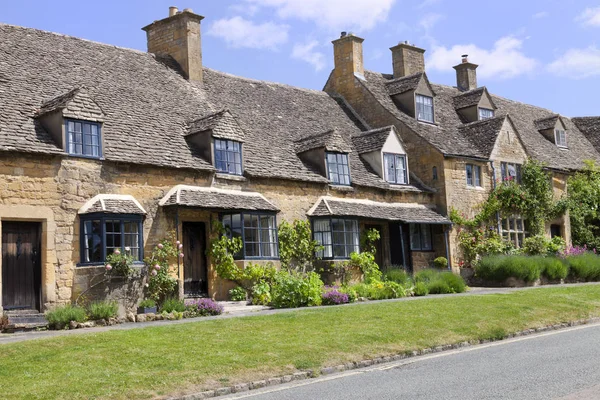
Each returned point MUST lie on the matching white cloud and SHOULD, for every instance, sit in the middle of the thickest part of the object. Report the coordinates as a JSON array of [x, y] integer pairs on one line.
[[240, 32], [540, 15], [577, 63], [430, 20], [306, 52], [332, 14], [247, 9], [505, 60], [589, 17]]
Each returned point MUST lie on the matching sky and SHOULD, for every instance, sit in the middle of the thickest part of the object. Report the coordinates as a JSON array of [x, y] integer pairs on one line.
[[545, 53]]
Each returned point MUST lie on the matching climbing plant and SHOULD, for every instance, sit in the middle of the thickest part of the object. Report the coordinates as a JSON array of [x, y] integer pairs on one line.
[[584, 197], [297, 249]]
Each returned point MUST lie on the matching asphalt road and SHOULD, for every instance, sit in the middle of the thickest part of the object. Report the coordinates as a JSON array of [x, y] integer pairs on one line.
[[555, 365]]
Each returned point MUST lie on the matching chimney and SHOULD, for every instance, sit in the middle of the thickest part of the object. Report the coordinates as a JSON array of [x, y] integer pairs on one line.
[[466, 74], [347, 58], [178, 36], [407, 59]]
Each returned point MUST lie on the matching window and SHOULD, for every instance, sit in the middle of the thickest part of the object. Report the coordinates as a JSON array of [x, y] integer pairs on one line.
[[434, 173], [473, 175], [560, 138], [339, 237], [513, 229], [395, 168], [228, 156], [102, 234], [511, 172], [420, 237], [337, 168], [83, 138], [257, 231], [424, 108], [485, 113]]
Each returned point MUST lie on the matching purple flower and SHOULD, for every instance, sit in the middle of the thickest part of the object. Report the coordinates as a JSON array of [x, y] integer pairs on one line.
[[204, 306], [334, 297]]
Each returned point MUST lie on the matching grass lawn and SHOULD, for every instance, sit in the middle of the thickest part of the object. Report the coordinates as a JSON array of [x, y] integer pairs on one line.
[[160, 361]]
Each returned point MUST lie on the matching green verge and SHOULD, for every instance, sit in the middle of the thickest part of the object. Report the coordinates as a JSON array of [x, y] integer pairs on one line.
[[168, 360]]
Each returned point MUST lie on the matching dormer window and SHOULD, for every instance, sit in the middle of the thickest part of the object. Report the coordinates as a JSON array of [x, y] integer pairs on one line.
[[424, 108], [485, 113], [395, 168], [338, 170], [228, 156], [560, 137], [83, 138]]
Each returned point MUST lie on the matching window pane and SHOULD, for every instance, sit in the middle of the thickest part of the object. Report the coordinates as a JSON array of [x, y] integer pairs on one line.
[[92, 231], [469, 170], [477, 176], [425, 237], [228, 156], [415, 237]]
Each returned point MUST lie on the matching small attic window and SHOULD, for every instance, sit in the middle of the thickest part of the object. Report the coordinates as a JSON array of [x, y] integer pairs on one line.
[[485, 113], [338, 170], [395, 168], [560, 137], [228, 156], [83, 138], [424, 108]]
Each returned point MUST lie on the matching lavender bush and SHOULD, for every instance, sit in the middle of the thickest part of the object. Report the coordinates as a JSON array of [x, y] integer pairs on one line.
[[333, 296], [575, 251], [202, 308]]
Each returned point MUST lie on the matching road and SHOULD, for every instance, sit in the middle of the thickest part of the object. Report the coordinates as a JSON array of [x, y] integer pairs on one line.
[[561, 365]]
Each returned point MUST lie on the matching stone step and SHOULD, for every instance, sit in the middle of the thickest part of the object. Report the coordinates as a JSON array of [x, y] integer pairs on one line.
[[235, 307], [20, 312], [24, 320]]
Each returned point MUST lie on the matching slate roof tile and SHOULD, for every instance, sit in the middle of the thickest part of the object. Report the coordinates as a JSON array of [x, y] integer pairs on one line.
[[216, 199], [590, 127], [372, 140], [330, 141]]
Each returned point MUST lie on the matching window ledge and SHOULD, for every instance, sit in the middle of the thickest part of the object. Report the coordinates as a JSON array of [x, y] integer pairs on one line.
[[136, 264], [230, 177], [341, 188], [480, 188]]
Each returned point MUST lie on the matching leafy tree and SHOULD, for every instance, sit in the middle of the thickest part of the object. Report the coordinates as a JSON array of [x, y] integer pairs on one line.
[[584, 197], [297, 250]]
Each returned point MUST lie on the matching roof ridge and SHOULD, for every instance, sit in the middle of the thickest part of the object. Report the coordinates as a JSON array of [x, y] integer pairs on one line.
[[372, 131], [390, 81], [484, 121]]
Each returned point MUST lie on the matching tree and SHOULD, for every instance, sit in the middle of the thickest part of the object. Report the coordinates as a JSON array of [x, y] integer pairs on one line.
[[584, 197]]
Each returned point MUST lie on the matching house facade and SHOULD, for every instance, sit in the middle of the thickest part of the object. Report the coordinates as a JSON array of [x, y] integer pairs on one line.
[[105, 148]]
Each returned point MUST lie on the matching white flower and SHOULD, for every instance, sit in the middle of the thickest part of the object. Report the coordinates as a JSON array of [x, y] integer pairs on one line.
[[127, 249]]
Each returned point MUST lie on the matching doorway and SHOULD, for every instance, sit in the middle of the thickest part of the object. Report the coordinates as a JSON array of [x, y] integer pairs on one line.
[[400, 245], [21, 265], [195, 271]]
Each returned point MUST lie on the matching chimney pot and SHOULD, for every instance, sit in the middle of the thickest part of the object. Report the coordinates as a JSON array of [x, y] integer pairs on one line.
[[172, 11], [466, 74], [343, 34], [187, 10]]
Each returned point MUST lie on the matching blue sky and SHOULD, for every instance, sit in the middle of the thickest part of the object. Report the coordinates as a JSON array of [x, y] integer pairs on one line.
[[545, 53]]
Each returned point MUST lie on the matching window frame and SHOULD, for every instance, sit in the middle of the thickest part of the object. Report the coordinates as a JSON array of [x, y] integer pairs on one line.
[[396, 157], [332, 245], [98, 125], [421, 104], [337, 164], [475, 175], [492, 113], [557, 140], [519, 234], [420, 233], [242, 255], [504, 171], [226, 152], [103, 217]]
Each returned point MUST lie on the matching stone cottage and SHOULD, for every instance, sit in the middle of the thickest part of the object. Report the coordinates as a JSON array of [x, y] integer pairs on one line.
[[105, 148], [461, 140]]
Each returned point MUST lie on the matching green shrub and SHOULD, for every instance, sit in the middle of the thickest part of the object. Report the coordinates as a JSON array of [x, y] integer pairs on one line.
[[421, 289], [455, 282], [172, 304], [556, 245], [292, 290], [426, 275], [499, 268], [237, 294], [352, 296], [439, 287], [584, 267], [379, 290], [103, 310], [147, 303], [59, 317], [261, 293], [440, 262], [554, 268], [397, 275], [365, 261], [536, 245]]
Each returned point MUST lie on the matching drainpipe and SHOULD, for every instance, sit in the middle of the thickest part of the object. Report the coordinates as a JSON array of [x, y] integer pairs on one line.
[[179, 280], [498, 227], [402, 243], [447, 248]]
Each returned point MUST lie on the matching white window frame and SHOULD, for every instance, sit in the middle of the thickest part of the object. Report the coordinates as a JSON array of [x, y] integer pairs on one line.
[[483, 110], [560, 137], [400, 166], [475, 180], [421, 114], [513, 229]]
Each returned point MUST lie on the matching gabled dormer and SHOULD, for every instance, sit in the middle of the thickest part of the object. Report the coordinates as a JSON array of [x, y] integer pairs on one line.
[[475, 105], [554, 129], [383, 150], [74, 120], [414, 96], [218, 138], [326, 154]]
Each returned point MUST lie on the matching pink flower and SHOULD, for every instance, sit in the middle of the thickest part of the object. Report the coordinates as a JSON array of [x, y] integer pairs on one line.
[[157, 267], [160, 246], [180, 255], [153, 273], [108, 267], [180, 246], [178, 243], [117, 251]]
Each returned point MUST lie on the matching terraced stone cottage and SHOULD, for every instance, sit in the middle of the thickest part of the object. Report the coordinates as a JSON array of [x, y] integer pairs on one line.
[[104, 148]]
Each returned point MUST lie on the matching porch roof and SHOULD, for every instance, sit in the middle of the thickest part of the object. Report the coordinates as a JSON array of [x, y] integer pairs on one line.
[[216, 199], [404, 212], [113, 204]]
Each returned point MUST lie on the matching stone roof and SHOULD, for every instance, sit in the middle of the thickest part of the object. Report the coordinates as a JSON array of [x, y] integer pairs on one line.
[[405, 212], [112, 204], [372, 140], [448, 138], [590, 127], [330, 141], [546, 123], [483, 134], [216, 199], [404, 84], [222, 125], [468, 99]]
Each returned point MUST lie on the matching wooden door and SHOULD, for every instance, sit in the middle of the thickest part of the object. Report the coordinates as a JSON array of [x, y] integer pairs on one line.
[[21, 269], [195, 272]]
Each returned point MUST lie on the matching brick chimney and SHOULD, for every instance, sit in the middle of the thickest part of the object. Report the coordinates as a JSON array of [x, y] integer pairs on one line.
[[347, 58], [407, 59], [466, 74], [178, 36]]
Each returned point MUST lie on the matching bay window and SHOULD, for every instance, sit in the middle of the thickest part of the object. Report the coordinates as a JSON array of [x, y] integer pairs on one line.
[[102, 234], [258, 232], [339, 237]]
